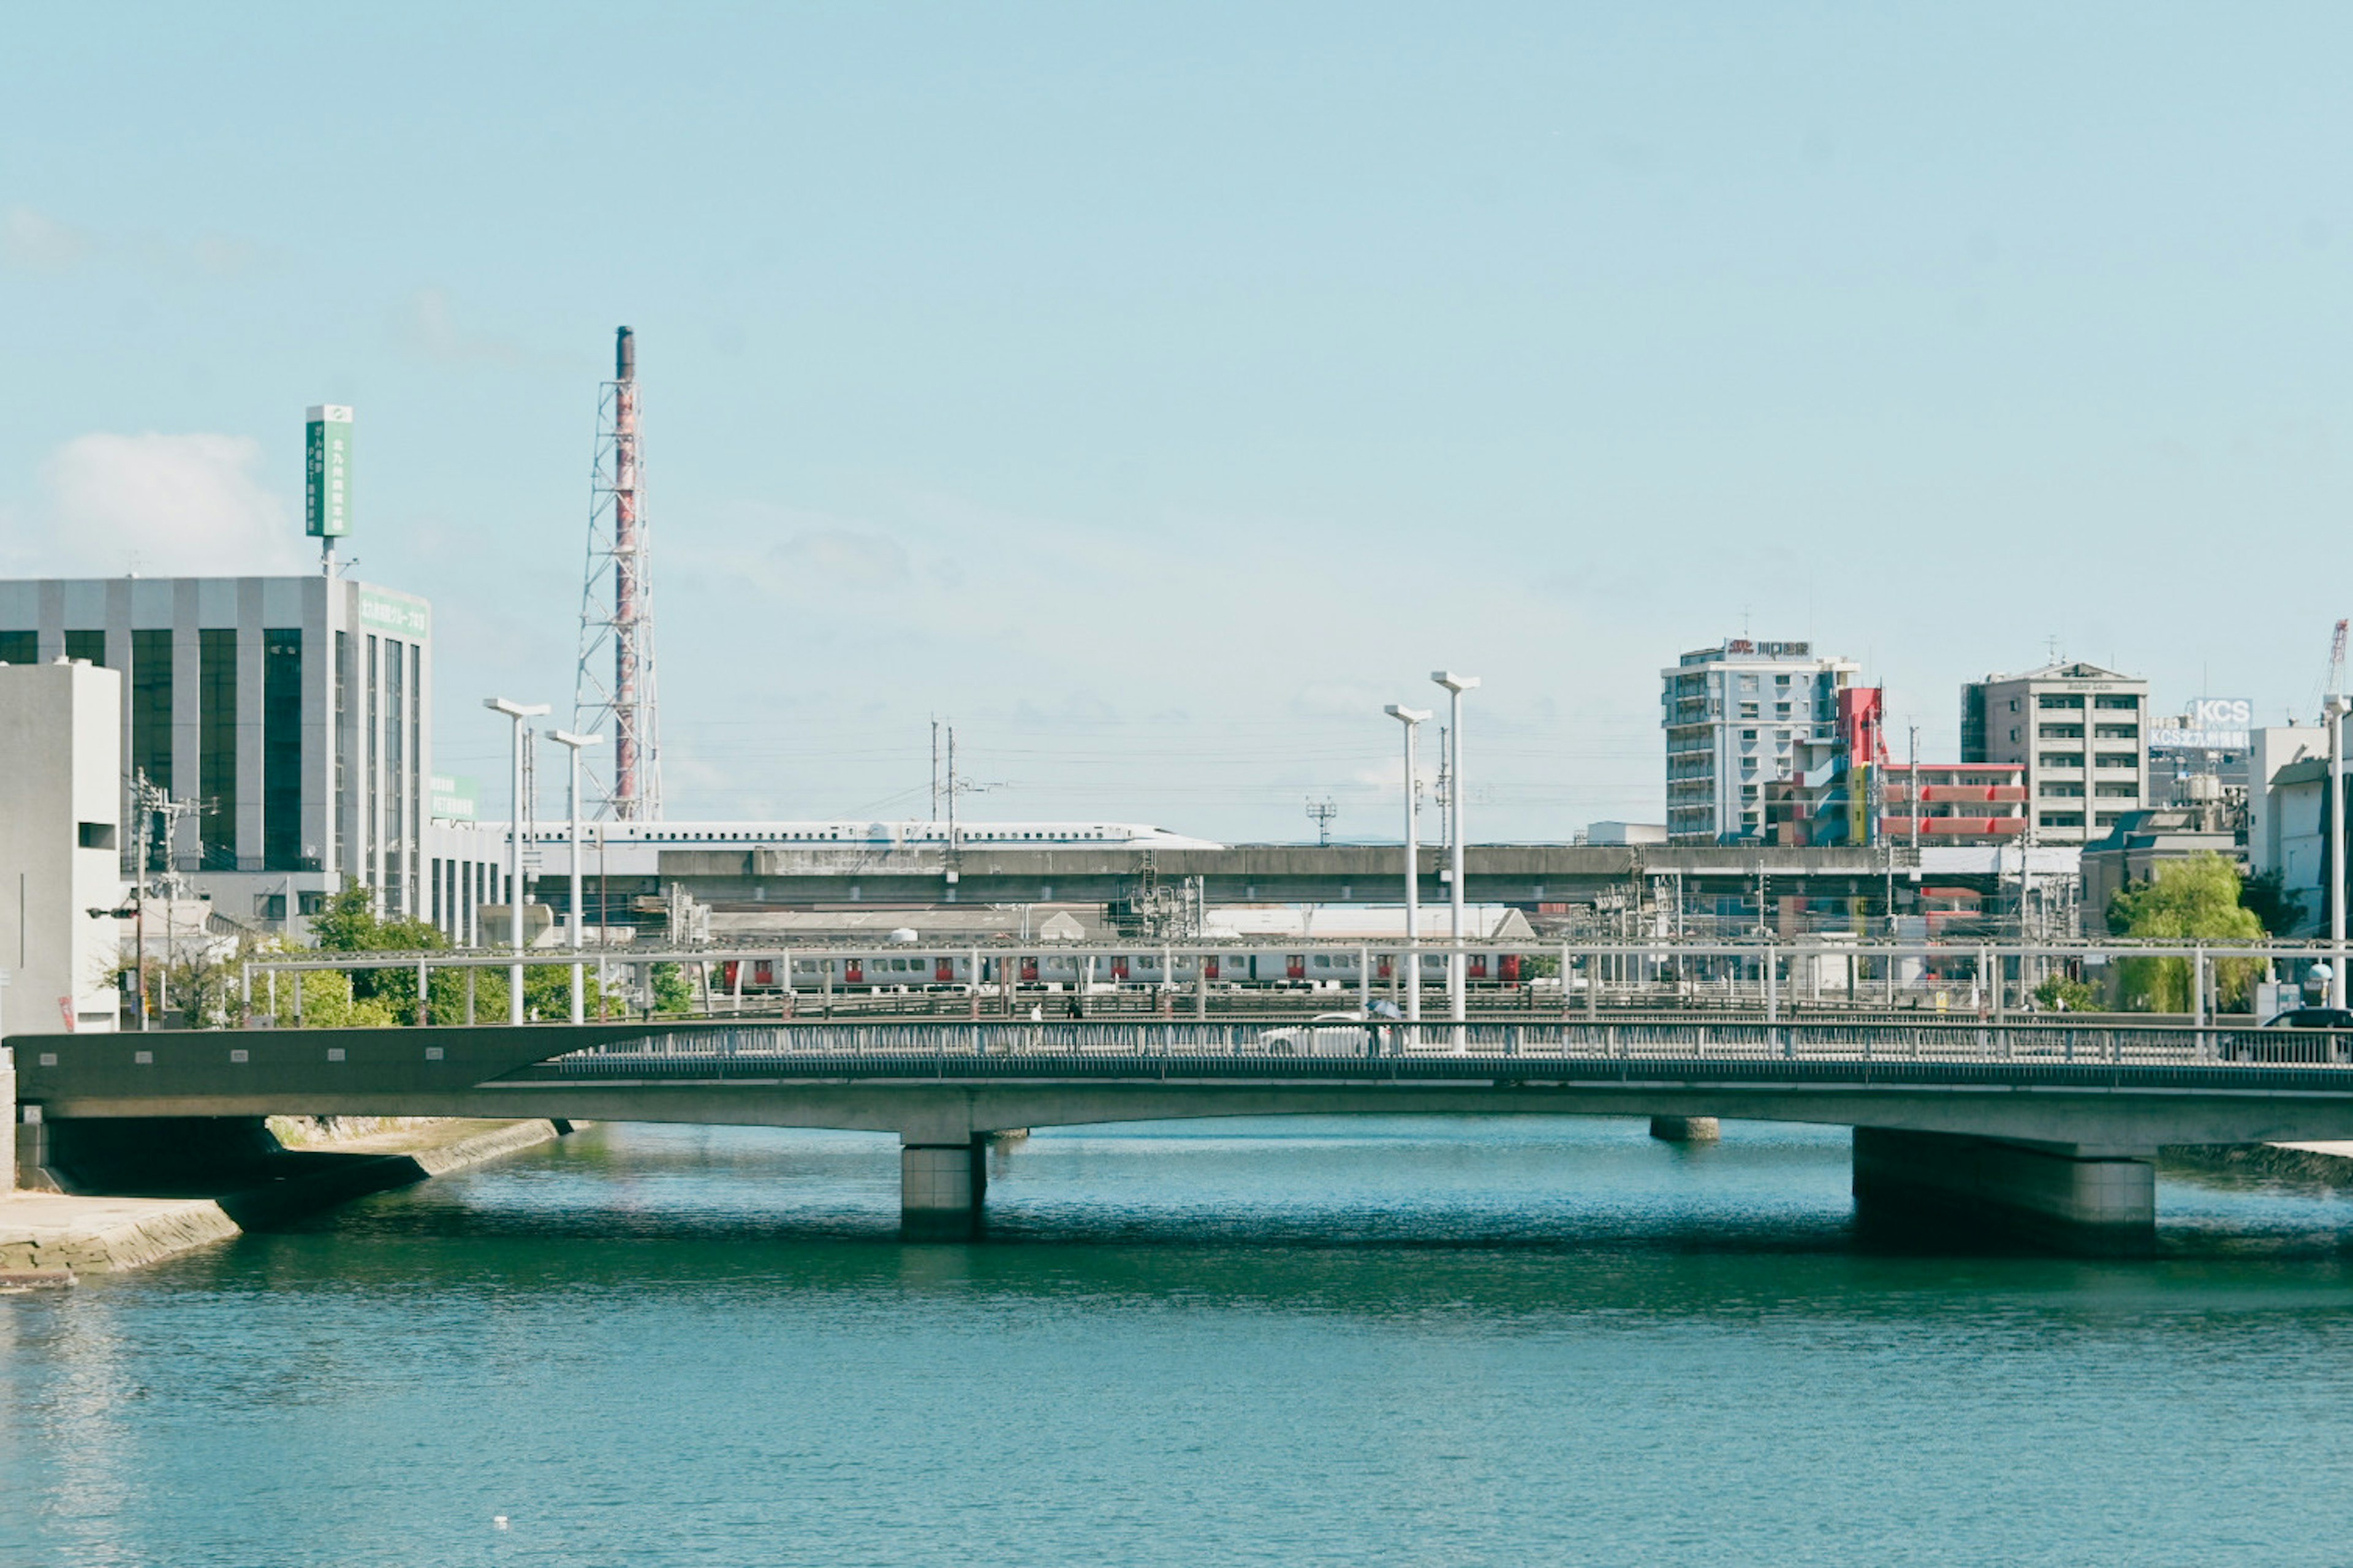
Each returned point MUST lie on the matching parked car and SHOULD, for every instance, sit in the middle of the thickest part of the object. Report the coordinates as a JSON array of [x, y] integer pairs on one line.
[[2330, 1038], [2313, 1018]]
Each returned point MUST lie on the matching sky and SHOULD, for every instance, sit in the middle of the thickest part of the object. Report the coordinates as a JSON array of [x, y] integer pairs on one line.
[[1157, 392]]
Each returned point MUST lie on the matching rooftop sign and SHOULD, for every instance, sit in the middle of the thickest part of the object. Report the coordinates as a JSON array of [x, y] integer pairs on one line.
[[327, 472], [2213, 725], [451, 797], [394, 615]]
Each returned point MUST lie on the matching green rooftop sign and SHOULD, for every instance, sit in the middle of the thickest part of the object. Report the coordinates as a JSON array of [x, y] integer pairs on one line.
[[327, 478], [453, 797]]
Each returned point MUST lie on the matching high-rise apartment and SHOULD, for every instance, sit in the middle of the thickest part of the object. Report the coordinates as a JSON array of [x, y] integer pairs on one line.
[[2080, 732], [1732, 714]]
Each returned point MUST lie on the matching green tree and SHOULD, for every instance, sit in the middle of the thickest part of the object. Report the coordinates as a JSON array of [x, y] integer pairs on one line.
[[2063, 994], [2195, 899], [327, 1002], [672, 992], [349, 923]]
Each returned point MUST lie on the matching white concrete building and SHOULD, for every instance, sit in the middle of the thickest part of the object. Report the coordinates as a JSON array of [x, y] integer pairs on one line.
[[2081, 732], [1731, 713], [2272, 839], [60, 793]]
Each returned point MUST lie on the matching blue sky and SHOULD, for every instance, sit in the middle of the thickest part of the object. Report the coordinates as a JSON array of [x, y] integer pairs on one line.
[[1159, 392]]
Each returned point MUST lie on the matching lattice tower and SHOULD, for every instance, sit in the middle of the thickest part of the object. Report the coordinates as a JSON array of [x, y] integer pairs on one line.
[[613, 693]]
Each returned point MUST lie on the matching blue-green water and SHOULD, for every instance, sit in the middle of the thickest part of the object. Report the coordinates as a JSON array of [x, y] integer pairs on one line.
[[1409, 1342]]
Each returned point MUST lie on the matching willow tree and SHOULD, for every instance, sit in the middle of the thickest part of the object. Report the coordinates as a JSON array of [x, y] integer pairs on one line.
[[2195, 899]]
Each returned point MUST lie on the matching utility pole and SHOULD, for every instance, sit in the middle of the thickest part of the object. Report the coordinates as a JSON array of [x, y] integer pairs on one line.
[[573, 745], [2338, 708], [1915, 769]]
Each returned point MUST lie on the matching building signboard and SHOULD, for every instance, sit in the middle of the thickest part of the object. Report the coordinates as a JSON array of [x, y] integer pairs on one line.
[[327, 472], [2213, 725], [453, 797], [395, 615]]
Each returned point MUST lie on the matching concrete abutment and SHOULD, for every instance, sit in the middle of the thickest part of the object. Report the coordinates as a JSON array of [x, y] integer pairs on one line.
[[2090, 1204]]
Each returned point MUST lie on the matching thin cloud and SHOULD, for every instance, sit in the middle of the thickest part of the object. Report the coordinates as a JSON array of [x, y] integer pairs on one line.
[[156, 505], [35, 242], [429, 326]]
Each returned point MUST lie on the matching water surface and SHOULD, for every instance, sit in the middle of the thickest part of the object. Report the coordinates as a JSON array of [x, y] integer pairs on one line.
[[1349, 1340]]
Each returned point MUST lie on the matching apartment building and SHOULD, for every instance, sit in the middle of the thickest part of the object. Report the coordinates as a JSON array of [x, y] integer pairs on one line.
[[2080, 734], [1733, 715]]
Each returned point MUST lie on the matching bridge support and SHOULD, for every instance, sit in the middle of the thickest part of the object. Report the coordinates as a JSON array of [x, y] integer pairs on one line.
[[2098, 1204], [1687, 1129], [941, 1189]]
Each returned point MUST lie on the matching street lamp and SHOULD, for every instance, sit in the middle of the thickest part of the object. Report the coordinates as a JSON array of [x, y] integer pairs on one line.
[[2339, 705], [1456, 685], [572, 743], [1411, 718], [516, 712]]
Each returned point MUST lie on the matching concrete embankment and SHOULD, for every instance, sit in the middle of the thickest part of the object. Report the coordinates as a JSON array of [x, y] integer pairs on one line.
[[46, 1233], [2330, 1163]]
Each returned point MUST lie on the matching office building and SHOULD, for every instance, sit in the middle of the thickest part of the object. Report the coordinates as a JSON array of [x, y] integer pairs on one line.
[[60, 873], [297, 713], [2078, 731], [1733, 715]]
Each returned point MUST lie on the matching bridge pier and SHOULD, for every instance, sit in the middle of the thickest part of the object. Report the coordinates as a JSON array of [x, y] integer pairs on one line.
[[942, 1187], [1687, 1129], [2063, 1197]]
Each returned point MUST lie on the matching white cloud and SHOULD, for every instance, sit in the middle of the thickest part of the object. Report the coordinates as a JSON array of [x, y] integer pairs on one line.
[[157, 505], [430, 326], [40, 243]]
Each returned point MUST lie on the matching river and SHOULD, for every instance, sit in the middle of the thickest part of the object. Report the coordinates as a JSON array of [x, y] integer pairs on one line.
[[1401, 1341]]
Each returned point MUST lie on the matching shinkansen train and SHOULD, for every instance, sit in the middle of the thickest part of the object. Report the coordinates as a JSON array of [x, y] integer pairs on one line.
[[1241, 965], [632, 849]]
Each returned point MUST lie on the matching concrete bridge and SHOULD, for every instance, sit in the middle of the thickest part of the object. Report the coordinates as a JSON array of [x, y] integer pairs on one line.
[[2046, 1129]]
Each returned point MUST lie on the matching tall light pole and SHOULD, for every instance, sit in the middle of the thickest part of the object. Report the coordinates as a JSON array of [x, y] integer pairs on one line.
[[1411, 718], [516, 712], [2338, 706], [573, 743], [1456, 685]]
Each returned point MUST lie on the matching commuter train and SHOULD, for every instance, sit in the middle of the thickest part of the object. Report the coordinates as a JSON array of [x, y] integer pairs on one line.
[[1241, 964]]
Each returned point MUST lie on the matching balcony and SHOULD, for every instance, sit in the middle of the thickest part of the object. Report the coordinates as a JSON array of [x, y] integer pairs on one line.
[[1935, 794], [1897, 829]]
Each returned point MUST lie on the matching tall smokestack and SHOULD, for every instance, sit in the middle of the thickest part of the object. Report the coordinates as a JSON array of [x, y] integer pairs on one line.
[[625, 354]]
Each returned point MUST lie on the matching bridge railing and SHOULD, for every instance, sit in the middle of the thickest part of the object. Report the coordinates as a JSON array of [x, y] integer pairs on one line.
[[1972, 1041]]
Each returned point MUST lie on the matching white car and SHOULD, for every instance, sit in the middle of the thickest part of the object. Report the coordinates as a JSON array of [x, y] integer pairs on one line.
[[1324, 1034]]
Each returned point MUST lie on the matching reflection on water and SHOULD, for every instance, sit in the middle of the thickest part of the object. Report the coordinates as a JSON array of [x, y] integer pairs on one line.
[[1337, 1340]]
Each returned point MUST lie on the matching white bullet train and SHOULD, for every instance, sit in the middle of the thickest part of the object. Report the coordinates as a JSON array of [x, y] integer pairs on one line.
[[633, 849]]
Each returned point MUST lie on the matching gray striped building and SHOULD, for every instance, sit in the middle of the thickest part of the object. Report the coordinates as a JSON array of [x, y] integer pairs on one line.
[[298, 710]]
